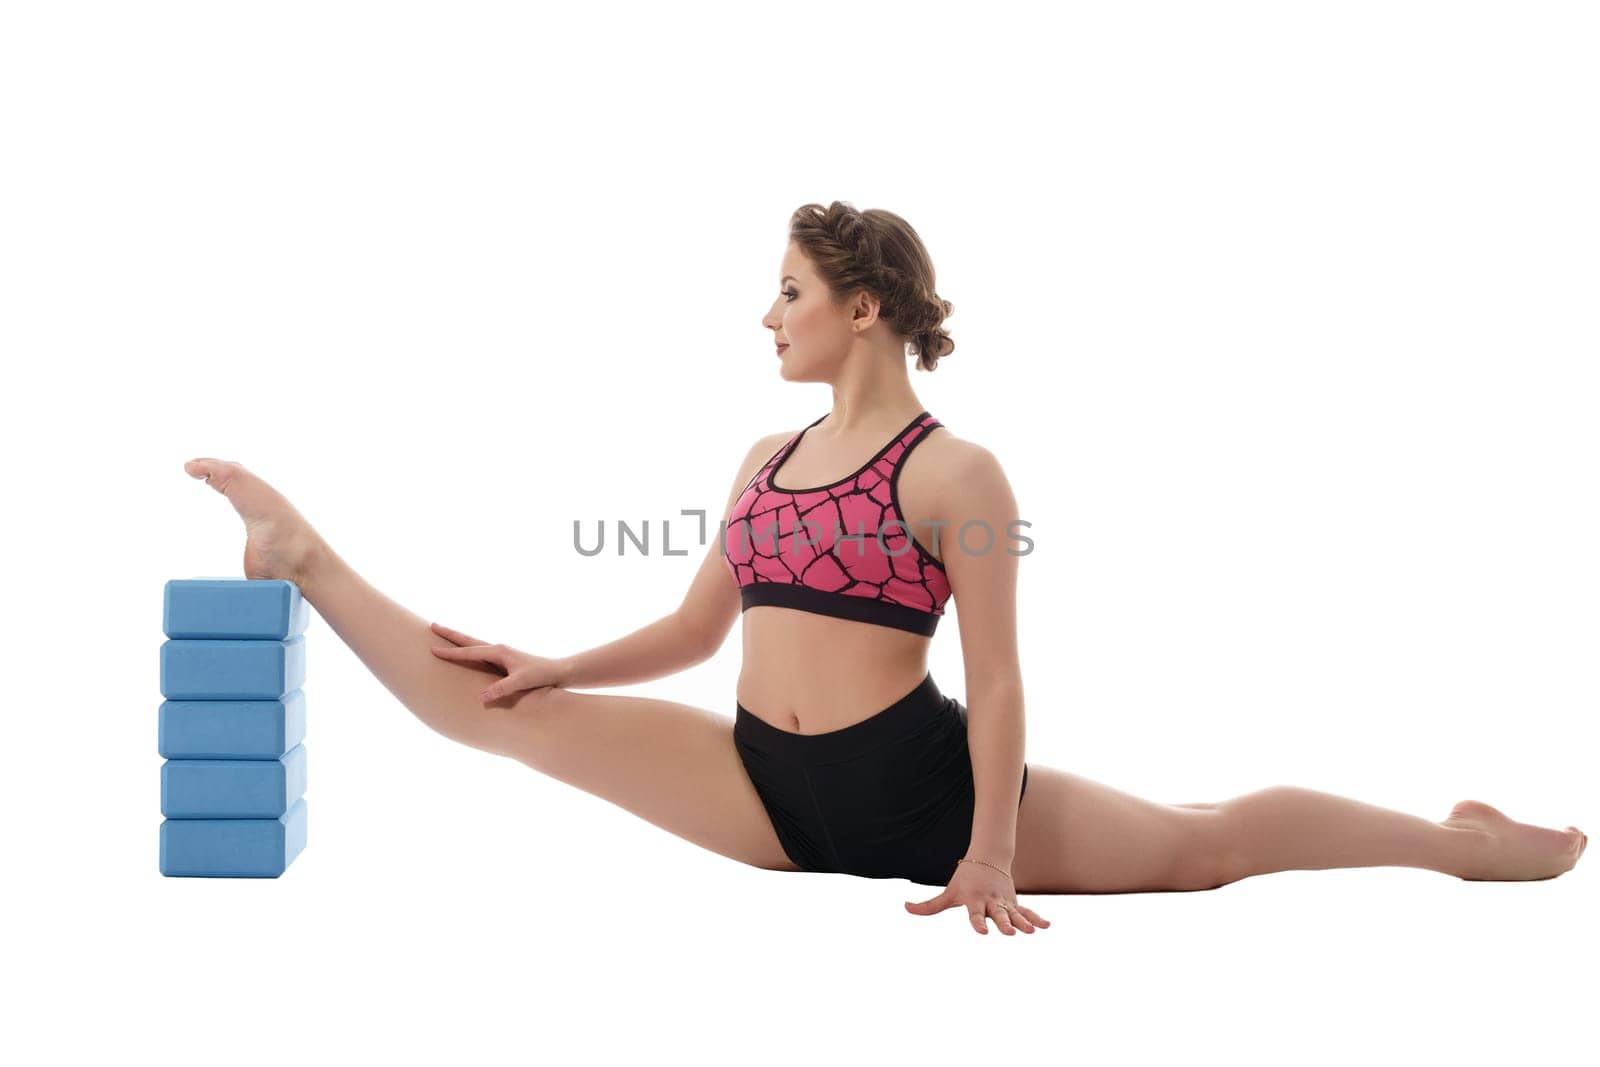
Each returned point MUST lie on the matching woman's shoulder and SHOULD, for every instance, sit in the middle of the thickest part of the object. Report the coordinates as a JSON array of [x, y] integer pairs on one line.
[[757, 455], [766, 447], [947, 475], [953, 454]]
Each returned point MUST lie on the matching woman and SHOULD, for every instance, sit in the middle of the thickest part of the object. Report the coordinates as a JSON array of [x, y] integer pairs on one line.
[[843, 755]]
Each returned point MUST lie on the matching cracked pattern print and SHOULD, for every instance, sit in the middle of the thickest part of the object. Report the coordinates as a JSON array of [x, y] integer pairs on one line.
[[760, 542]]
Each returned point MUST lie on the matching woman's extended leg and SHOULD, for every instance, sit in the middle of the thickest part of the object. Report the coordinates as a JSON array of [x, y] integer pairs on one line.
[[669, 763], [1075, 835], [1078, 836], [1291, 828]]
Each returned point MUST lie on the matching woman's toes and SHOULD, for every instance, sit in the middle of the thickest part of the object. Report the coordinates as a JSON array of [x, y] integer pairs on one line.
[[200, 468], [221, 475]]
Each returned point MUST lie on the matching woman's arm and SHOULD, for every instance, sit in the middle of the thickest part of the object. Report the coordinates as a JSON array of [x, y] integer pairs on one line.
[[985, 588], [687, 636], [664, 647]]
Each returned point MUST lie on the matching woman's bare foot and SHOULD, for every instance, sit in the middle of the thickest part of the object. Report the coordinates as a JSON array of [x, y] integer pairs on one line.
[[1517, 851], [279, 542]]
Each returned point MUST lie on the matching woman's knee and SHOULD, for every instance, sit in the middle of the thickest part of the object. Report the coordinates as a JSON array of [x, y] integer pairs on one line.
[[1208, 857]]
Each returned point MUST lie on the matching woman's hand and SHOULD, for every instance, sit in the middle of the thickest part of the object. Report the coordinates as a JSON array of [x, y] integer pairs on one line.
[[523, 671], [985, 892]]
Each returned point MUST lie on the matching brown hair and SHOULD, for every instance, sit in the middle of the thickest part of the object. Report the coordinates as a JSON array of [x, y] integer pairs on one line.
[[878, 251]]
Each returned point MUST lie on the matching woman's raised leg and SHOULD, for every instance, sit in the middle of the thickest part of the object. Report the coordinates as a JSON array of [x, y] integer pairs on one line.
[[669, 763]]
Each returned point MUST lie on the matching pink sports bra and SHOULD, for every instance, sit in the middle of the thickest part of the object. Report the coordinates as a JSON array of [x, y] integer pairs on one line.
[[841, 549]]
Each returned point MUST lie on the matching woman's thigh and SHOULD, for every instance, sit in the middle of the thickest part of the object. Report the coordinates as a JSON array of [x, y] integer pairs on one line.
[[671, 764], [1078, 836]]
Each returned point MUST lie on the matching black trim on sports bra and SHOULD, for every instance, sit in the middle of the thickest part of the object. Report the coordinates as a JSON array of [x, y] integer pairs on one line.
[[894, 497], [777, 457], [838, 605], [772, 474]]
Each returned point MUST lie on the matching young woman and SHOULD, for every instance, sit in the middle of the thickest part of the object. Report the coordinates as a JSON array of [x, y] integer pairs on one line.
[[843, 754]]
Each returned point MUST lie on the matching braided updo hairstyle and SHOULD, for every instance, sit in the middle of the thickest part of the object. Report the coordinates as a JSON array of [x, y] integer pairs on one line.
[[878, 251]]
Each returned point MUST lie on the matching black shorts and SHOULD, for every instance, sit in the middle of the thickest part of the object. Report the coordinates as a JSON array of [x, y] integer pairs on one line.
[[888, 797]]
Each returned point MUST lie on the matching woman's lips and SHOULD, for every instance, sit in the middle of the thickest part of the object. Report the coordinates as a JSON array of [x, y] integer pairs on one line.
[[781, 349]]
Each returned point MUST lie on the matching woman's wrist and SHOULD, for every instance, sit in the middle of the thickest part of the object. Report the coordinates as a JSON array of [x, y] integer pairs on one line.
[[1004, 869], [999, 857]]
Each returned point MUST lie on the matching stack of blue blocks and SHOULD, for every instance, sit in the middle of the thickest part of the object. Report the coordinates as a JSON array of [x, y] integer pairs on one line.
[[232, 726]]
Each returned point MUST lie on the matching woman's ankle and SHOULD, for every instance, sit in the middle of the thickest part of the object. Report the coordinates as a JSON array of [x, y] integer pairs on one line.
[[318, 559]]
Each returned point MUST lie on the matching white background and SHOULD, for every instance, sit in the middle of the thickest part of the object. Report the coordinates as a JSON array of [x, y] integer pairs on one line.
[[1280, 317]]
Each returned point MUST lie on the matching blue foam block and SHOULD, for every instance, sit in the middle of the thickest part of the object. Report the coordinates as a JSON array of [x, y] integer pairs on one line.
[[233, 848], [232, 670], [241, 608], [231, 729], [232, 788]]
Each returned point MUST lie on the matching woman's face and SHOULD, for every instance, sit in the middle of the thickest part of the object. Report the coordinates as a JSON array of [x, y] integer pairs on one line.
[[811, 332]]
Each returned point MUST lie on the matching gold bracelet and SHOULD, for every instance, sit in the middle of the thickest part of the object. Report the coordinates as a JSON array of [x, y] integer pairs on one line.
[[986, 863]]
